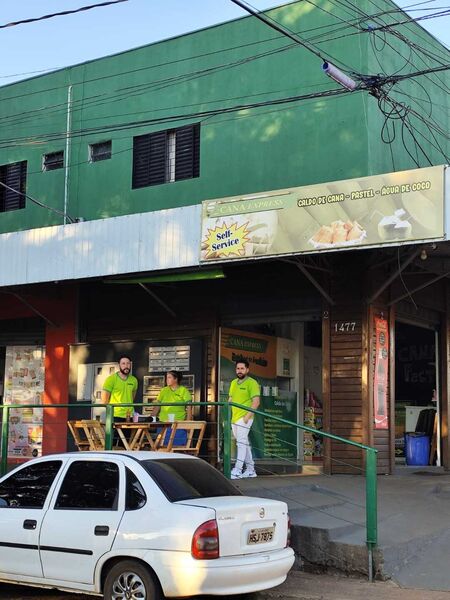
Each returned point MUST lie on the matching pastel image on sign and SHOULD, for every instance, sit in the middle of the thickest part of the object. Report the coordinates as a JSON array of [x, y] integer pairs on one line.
[[338, 233]]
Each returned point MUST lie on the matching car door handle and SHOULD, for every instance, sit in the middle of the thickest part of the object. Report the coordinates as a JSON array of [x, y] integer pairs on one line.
[[29, 524], [101, 530]]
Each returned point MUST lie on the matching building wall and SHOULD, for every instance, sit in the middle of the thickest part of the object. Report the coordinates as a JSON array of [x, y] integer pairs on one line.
[[248, 151]]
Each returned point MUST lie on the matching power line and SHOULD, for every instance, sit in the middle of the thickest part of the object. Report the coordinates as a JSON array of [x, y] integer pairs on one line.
[[129, 91], [220, 51], [280, 28], [172, 118], [444, 13], [39, 203], [61, 14]]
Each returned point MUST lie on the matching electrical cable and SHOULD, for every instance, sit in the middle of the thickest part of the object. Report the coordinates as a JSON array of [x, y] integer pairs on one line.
[[61, 14], [171, 118], [128, 92], [411, 20], [280, 28], [39, 203], [402, 280], [204, 123], [173, 62], [63, 105]]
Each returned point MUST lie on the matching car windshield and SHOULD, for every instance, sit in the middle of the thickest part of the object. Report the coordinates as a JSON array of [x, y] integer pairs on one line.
[[188, 478]]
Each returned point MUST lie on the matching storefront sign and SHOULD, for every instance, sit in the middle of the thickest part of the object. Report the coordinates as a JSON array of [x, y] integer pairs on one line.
[[24, 384], [380, 391], [259, 350], [407, 206]]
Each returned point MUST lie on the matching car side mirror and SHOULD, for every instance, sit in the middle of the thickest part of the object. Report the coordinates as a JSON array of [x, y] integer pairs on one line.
[[3, 503]]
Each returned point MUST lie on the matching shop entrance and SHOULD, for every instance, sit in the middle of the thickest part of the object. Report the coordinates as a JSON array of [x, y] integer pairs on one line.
[[286, 360], [417, 418]]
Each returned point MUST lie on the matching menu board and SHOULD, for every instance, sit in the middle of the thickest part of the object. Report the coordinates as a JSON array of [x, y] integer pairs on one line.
[[24, 384]]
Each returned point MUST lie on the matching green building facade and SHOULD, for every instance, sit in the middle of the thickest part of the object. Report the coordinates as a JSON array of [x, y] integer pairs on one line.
[[231, 110], [198, 78]]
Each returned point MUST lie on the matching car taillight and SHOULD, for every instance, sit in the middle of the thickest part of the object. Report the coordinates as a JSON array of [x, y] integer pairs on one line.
[[288, 537], [205, 542]]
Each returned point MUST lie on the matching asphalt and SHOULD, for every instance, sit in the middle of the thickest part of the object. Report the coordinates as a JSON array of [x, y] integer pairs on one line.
[[329, 514], [299, 586]]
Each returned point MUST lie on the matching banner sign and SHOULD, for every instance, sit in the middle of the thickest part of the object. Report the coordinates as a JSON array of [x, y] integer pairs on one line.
[[258, 349], [380, 385], [407, 206], [24, 384]]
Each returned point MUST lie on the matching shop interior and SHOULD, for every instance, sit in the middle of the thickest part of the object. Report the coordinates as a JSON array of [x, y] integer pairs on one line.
[[286, 359], [417, 434]]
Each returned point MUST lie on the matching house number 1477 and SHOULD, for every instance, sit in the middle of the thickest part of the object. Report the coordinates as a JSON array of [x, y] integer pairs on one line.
[[344, 327]]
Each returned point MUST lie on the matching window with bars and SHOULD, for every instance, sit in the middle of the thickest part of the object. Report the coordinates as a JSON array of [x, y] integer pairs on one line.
[[15, 177], [166, 156], [53, 160], [100, 151]]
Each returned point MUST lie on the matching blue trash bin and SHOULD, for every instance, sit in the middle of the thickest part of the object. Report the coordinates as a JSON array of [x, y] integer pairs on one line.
[[417, 449]]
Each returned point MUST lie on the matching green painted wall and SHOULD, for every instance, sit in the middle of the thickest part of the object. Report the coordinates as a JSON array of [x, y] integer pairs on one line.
[[261, 149]]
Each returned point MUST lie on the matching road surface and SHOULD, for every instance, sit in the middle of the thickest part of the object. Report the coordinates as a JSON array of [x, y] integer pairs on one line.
[[299, 586]]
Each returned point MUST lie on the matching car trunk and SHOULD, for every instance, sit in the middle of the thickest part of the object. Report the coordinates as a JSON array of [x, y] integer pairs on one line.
[[247, 525]]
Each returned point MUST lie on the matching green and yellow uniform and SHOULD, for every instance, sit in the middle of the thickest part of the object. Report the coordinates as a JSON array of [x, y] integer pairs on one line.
[[122, 392], [242, 391], [180, 396]]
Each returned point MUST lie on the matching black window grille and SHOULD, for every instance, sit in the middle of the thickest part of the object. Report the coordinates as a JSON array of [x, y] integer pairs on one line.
[[166, 156], [53, 160], [100, 151], [15, 177]]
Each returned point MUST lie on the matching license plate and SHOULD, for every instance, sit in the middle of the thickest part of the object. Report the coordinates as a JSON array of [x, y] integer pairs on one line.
[[260, 536]]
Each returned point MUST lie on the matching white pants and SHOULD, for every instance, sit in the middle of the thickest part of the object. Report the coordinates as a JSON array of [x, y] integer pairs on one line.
[[241, 431]]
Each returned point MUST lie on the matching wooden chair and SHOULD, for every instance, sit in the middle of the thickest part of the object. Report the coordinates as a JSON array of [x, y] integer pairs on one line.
[[195, 431], [88, 434]]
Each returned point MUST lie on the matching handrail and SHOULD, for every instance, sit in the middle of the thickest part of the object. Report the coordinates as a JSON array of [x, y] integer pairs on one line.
[[370, 463], [304, 427], [371, 471]]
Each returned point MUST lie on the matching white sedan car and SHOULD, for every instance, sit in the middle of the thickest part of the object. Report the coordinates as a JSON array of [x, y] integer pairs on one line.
[[138, 526]]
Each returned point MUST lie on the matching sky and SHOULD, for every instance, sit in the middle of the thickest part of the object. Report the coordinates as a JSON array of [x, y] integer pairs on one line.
[[32, 48]]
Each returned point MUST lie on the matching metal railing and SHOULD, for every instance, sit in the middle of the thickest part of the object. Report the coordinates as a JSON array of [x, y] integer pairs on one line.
[[370, 467]]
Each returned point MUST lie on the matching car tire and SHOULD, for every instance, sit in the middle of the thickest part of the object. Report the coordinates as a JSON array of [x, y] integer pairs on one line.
[[133, 577]]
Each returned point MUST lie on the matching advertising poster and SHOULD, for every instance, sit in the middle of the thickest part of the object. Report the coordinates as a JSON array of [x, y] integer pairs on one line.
[[269, 439], [377, 210], [24, 384], [380, 391]]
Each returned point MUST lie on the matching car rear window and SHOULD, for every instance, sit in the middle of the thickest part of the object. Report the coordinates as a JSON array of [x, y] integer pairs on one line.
[[187, 479]]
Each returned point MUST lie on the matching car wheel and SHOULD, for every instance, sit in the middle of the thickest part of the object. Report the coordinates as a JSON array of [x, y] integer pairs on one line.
[[130, 580]]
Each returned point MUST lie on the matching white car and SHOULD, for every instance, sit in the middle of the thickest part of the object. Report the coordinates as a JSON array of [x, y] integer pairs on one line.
[[138, 526]]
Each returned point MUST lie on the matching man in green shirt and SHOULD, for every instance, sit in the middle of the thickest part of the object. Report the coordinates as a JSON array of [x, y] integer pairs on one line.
[[120, 389], [244, 390]]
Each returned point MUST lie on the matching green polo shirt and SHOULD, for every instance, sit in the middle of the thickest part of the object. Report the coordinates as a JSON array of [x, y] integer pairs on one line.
[[181, 396], [242, 392], [122, 391]]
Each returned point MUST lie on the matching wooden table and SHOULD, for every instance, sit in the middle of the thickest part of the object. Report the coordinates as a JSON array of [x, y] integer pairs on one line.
[[140, 434]]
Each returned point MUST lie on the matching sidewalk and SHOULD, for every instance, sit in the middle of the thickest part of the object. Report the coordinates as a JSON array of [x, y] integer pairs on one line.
[[304, 586], [328, 515]]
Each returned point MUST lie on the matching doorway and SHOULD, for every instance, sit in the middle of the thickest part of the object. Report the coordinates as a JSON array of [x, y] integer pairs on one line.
[[417, 407], [285, 358]]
